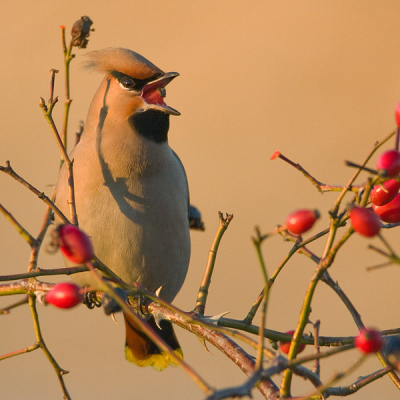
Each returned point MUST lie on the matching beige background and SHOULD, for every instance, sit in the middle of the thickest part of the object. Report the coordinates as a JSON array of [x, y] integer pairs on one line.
[[318, 80]]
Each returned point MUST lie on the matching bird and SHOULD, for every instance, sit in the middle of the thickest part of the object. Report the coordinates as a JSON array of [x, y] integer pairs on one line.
[[131, 189]]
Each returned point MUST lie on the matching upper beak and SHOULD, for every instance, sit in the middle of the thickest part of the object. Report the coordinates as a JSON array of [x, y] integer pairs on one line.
[[154, 92]]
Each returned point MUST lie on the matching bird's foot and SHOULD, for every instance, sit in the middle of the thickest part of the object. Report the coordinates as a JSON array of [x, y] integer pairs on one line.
[[90, 300]]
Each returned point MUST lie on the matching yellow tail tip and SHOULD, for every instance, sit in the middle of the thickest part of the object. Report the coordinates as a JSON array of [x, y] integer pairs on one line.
[[158, 361]]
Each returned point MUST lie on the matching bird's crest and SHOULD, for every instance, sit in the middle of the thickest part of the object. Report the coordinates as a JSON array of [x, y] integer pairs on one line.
[[116, 59]]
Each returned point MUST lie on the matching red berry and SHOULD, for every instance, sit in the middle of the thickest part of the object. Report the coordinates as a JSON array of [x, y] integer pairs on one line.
[[75, 244], [382, 194], [64, 295], [369, 340], [388, 163], [364, 221], [301, 221], [389, 212], [285, 346], [397, 114]]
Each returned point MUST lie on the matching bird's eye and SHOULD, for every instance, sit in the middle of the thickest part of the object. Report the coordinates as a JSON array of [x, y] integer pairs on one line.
[[127, 82]]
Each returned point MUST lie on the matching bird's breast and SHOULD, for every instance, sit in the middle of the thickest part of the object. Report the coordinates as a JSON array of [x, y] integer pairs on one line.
[[137, 220]]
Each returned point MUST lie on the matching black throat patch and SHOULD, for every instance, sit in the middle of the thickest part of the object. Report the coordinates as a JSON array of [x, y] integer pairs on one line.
[[151, 124]]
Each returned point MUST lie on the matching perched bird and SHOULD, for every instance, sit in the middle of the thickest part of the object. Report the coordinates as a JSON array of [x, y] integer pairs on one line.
[[131, 189]]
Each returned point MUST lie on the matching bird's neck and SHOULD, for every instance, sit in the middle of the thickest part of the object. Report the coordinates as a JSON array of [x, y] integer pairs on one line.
[[126, 143], [127, 153]]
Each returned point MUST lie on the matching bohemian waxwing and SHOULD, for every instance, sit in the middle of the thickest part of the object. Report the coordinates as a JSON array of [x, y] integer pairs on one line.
[[131, 189]]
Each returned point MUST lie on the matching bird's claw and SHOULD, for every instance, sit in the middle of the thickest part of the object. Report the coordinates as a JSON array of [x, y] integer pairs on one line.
[[90, 300]]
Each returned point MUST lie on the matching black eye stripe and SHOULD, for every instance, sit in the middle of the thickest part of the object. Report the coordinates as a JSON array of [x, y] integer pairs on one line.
[[132, 83]]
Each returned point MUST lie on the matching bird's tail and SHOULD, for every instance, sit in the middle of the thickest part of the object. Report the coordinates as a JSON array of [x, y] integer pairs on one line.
[[140, 350]]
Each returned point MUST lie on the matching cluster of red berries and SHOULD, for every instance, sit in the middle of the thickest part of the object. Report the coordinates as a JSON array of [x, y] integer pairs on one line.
[[385, 198], [77, 247]]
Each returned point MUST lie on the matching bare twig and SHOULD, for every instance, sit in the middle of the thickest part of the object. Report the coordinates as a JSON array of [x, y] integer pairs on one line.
[[206, 281], [47, 112], [317, 367], [44, 272], [19, 352], [319, 185], [67, 60], [40, 341], [8, 170], [336, 377], [6, 310], [39, 240], [228, 347], [20, 229]]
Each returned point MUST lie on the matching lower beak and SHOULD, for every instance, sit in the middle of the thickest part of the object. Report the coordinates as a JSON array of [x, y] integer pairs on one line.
[[154, 92]]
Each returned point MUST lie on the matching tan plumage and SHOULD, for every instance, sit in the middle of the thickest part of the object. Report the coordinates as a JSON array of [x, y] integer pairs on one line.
[[122, 60], [130, 187]]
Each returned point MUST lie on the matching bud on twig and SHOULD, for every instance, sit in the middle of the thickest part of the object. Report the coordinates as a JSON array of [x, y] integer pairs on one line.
[[81, 31], [42, 103]]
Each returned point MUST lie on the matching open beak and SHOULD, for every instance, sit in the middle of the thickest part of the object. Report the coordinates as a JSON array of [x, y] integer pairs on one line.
[[154, 92]]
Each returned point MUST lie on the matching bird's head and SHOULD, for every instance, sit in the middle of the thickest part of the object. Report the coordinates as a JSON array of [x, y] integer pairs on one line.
[[133, 82]]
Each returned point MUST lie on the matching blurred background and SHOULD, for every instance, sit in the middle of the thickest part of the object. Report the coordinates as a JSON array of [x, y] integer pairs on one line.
[[317, 80]]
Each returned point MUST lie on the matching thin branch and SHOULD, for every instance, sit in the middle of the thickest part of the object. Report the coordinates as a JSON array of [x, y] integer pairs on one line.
[[336, 377], [47, 112], [317, 367], [44, 272], [362, 167], [59, 371], [6, 310], [8, 170], [67, 60], [39, 240], [298, 245], [19, 352], [239, 391], [20, 229], [212, 255], [222, 342], [359, 384], [260, 349], [350, 183], [319, 185]]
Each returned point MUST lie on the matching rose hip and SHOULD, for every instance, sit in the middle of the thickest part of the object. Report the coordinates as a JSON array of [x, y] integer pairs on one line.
[[75, 244], [64, 295], [384, 193], [364, 221], [301, 221]]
